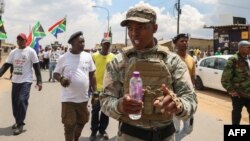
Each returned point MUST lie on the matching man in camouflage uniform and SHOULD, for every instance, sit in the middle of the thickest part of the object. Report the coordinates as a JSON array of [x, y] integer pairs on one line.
[[236, 80], [181, 42], [157, 66]]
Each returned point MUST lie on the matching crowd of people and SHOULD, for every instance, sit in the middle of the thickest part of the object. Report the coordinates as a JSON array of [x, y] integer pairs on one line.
[[168, 79], [48, 58]]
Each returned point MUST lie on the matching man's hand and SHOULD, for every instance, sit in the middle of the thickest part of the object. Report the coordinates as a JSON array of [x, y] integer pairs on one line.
[[167, 103], [95, 98], [39, 87], [128, 105], [64, 81]]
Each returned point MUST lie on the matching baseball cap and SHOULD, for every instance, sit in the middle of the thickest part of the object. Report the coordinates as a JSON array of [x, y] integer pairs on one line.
[[181, 35], [244, 43], [75, 35], [142, 14], [22, 35], [105, 40]]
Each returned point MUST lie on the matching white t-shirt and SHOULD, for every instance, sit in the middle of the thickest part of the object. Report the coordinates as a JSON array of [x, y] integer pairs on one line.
[[46, 54], [53, 57], [76, 67], [40, 56], [22, 61]]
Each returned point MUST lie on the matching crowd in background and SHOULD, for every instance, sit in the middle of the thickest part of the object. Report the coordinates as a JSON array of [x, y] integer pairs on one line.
[[44, 55]]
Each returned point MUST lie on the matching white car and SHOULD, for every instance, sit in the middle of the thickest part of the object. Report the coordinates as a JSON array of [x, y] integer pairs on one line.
[[209, 71]]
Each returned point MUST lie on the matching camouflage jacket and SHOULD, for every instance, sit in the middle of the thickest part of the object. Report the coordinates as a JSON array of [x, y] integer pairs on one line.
[[114, 78], [236, 75]]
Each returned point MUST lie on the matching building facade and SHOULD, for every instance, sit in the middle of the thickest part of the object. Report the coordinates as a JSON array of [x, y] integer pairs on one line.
[[227, 37]]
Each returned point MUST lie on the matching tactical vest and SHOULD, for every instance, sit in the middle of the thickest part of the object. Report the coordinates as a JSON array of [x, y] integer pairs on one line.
[[154, 72]]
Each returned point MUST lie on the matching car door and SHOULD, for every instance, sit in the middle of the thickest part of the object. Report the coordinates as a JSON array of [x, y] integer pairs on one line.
[[205, 71], [218, 70]]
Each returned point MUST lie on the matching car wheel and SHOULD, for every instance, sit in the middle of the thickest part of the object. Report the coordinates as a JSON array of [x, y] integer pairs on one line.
[[199, 84]]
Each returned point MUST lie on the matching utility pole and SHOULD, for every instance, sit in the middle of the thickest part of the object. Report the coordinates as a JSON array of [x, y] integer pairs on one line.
[[178, 8]]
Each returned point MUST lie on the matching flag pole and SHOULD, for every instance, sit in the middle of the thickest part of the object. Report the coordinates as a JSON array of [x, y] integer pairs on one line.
[[64, 36]]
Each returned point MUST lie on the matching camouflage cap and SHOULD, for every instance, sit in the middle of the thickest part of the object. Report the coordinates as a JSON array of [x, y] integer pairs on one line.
[[106, 40], [141, 14]]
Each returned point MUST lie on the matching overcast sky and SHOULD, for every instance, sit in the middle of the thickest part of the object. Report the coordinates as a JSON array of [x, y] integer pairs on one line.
[[20, 15]]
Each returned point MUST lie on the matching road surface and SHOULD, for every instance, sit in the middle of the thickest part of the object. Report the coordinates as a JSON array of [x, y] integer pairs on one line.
[[43, 121]]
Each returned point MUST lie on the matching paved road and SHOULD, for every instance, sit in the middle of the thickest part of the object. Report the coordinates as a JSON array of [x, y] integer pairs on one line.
[[43, 122]]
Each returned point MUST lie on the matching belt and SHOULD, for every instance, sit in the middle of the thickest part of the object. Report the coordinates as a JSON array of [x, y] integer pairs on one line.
[[153, 134]]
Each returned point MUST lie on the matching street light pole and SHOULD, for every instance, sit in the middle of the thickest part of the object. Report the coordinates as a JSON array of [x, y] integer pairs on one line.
[[95, 6]]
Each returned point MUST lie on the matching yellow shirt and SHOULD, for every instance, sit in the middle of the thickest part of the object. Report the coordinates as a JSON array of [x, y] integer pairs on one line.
[[190, 65], [100, 63]]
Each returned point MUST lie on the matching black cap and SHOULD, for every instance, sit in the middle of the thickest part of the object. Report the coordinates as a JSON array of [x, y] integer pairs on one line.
[[181, 35], [75, 35]]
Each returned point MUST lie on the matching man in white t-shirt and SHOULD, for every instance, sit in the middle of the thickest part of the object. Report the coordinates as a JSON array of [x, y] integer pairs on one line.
[[22, 59], [46, 57], [53, 58], [75, 72]]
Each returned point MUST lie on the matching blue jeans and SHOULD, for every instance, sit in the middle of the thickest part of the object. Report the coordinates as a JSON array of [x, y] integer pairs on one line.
[[186, 129], [99, 122], [20, 97], [52, 66]]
